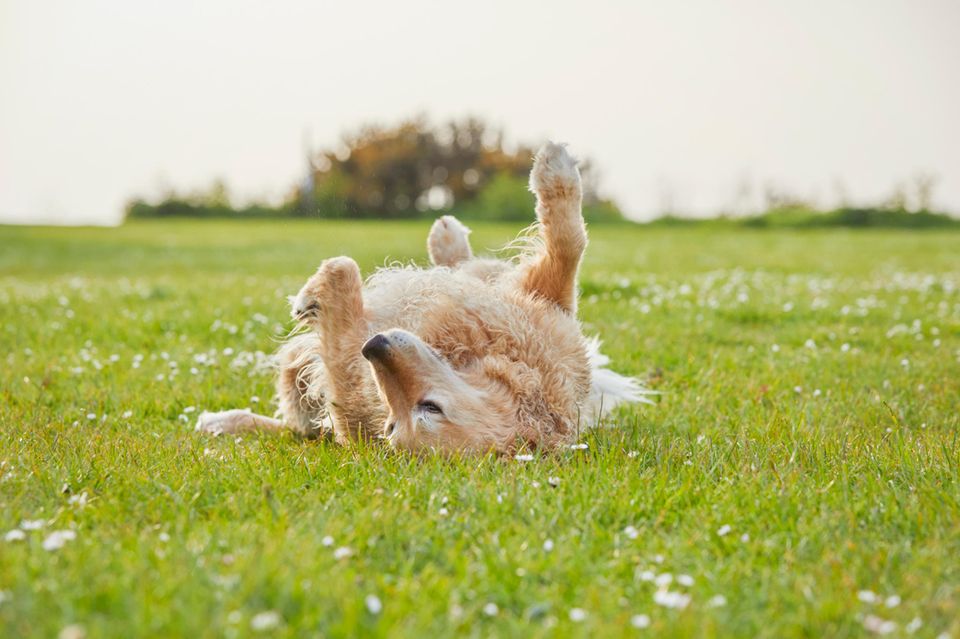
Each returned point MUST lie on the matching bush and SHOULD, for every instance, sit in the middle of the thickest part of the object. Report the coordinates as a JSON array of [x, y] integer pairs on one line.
[[801, 217], [507, 198]]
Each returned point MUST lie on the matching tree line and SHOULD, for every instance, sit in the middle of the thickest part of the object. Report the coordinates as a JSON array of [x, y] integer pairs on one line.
[[409, 170]]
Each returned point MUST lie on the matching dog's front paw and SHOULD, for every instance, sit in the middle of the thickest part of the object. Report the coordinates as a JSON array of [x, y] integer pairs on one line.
[[449, 242], [554, 173], [337, 276]]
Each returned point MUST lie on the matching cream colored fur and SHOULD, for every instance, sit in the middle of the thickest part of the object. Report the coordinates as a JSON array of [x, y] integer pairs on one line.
[[471, 355]]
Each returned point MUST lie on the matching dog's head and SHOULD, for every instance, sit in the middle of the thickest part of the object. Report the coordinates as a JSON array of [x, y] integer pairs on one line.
[[432, 405]]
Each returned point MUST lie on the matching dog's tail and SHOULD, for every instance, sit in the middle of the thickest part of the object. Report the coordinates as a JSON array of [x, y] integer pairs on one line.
[[609, 389]]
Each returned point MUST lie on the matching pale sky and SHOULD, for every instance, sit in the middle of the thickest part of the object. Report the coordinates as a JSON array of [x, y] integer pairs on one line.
[[677, 102]]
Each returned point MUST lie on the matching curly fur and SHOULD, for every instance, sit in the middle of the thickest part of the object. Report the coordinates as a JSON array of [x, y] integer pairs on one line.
[[473, 354]]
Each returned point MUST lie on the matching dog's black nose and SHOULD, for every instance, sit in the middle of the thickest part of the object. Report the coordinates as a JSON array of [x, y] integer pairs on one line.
[[375, 347]]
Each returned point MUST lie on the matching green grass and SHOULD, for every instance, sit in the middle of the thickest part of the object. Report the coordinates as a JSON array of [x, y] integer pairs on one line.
[[834, 464]]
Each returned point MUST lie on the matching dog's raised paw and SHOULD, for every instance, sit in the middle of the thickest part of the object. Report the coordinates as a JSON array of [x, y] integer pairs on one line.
[[449, 242], [336, 277], [339, 270], [554, 173]]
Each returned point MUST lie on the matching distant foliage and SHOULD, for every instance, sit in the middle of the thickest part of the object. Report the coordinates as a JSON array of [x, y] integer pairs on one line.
[[410, 170], [851, 218], [414, 168], [507, 198], [213, 203]]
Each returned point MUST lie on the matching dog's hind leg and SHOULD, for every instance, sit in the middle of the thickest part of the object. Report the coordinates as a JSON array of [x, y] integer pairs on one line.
[[302, 386], [448, 242], [300, 383], [331, 302], [553, 273], [232, 422]]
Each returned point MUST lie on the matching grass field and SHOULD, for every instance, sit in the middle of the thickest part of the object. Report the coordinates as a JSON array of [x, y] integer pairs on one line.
[[798, 478]]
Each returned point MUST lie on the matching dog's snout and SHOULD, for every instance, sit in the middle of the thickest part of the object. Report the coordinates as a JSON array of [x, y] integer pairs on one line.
[[375, 347]]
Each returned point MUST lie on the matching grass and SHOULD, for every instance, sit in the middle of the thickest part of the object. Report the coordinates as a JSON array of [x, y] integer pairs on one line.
[[810, 391]]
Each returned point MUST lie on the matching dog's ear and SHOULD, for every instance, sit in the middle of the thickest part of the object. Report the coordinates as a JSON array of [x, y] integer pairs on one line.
[[536, 425]]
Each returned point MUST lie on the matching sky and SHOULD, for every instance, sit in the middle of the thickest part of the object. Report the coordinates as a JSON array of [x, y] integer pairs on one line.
[[694, 107]]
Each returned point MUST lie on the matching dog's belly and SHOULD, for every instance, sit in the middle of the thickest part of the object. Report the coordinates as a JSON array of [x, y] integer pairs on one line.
[[430, 301], [465, 317]]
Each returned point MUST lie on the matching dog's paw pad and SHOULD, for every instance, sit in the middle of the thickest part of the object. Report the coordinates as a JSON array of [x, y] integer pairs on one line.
[[554, 172]]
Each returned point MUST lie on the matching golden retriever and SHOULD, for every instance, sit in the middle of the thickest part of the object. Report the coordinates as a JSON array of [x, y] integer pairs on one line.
[[472, 355]]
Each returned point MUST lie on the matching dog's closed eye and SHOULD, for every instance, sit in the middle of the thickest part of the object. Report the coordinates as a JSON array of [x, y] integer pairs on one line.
[[430, 407]]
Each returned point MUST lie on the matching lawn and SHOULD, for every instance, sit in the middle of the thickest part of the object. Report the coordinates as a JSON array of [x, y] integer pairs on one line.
[[797, 478]]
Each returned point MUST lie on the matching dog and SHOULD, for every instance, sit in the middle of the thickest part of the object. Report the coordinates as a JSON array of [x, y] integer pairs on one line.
[[472, 355]]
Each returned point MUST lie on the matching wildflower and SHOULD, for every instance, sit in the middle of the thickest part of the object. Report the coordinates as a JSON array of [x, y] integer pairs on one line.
[[867, 596], [745, 537], [32, 524], [810, 344], [73, 631], [717, 601], [577, 614], [374, 606], [78, 500], [775, 348], [669, 599], [266, 620], [343, 552], [664, 580], [632, 454], [580, 446], [913, 626], [892, 601], [57, 539], [647, 575], [523, 457], [724, 530], [844, 347], [879, 626], [685, 580], [631, 532], [15, 535], [640, 621], [444, 512], [548, 545], [127, 414], [491, 609], [553, 481], [91, 416]]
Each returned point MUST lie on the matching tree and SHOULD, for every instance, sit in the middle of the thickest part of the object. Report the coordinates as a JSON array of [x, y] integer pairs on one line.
[[411, 168]]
